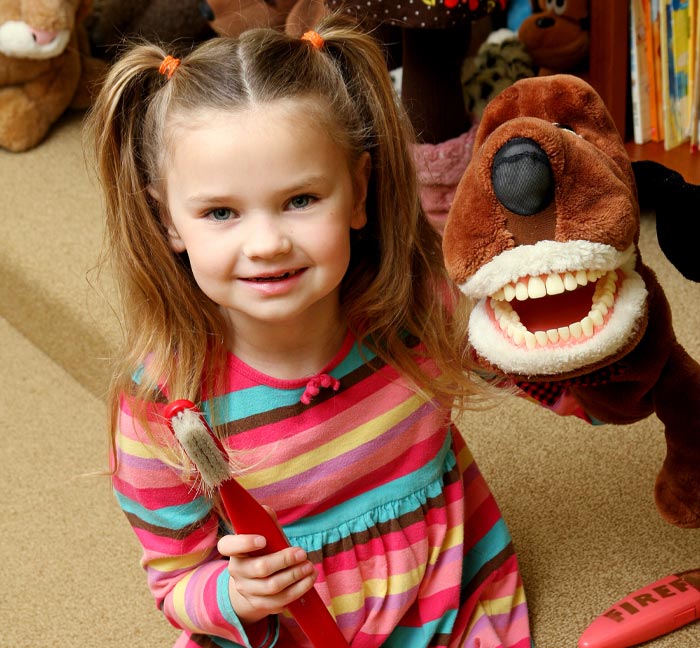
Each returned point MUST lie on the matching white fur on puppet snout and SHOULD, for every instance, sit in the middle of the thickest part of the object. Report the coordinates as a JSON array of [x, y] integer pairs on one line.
[[542, 258], [624, 323], [16, 41]]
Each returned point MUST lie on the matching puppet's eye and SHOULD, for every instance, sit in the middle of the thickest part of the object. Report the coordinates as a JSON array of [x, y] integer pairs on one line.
[[206, 11], [565, 127], [522, 177]]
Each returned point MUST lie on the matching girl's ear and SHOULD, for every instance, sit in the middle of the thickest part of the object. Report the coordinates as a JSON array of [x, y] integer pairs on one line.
[[362, 171], [176, 243]]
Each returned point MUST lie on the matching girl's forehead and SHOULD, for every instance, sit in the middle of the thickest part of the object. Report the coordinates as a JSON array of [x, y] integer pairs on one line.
[[300, 116], [300, 111]]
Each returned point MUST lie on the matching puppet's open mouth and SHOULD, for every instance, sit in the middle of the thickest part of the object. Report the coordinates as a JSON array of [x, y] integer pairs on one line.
[[555, 309]]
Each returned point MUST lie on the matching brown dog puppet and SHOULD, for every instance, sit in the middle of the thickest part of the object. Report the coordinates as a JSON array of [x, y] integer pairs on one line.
[[543, 235]]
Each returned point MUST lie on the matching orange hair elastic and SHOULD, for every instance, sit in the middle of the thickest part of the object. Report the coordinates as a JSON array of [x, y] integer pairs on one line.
[[314, 38], [169, 65]]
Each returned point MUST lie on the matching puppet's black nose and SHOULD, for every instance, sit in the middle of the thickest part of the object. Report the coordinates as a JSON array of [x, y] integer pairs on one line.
[[522, 177]]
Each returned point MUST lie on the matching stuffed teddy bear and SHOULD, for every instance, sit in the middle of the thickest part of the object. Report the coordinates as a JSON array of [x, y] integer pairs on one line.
[[228, 18], [166, 21], [45, 67], [556, 36], [543, 235]]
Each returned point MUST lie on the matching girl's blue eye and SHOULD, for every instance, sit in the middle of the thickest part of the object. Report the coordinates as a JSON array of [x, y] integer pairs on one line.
[[221, 214], [300, 202]]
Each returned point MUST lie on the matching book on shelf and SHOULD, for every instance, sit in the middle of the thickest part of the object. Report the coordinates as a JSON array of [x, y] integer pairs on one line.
[[694, 91], [639, 76], [652, 51], [675, 60], [664, 57]]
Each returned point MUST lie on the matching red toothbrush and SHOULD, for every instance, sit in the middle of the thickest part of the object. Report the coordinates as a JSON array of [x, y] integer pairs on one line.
[[246, 514], [650, 612]]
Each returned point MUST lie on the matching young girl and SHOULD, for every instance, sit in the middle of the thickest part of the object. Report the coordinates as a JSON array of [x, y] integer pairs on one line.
[[275, 267]]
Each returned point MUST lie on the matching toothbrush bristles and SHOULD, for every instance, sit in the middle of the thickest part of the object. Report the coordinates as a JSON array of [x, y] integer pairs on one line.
[[201, 448]]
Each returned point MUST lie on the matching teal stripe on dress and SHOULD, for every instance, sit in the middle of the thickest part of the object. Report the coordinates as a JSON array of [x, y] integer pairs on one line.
[[262, 398], [353, 361], [350, 516], [406, 636], [249, 402], [493, 543], [168, 517]]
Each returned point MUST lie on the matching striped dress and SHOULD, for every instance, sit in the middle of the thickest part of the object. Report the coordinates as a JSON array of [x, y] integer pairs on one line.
[[375, 484]]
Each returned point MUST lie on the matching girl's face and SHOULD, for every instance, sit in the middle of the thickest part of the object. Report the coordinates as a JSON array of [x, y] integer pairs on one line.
[[263, 201]]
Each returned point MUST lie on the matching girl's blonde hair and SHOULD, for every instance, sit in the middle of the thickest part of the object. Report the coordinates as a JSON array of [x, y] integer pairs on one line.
[[396, 284]]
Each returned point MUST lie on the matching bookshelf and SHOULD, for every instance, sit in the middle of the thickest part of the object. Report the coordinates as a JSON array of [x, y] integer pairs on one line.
[[608, 73]]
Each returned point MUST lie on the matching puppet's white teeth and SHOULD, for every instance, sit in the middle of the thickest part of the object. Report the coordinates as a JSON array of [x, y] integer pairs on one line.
[[596, 317], [536, 288], [570, 282], [509, 320], [521, 291], [553, 284]]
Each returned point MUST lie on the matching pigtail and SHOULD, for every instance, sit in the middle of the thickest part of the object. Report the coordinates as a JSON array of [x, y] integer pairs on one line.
[[165, 319]]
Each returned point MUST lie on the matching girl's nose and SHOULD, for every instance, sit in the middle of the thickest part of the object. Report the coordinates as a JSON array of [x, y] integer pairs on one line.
[[265, 237]]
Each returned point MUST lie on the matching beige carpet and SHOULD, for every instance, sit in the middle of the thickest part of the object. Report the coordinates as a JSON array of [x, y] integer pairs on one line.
[[578, 499]]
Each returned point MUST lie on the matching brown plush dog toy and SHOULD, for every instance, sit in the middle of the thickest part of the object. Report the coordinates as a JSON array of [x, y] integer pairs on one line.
[[543, 235]]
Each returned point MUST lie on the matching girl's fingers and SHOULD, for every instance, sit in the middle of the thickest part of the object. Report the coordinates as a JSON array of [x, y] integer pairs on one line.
[[278, 582], [238, 545], [266, 603], [266, 566]]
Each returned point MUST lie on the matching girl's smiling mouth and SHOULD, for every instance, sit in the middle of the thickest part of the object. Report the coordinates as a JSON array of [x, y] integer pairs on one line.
[[276, 277]]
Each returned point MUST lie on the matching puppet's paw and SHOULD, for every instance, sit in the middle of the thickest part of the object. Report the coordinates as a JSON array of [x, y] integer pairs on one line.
[[677, 495]]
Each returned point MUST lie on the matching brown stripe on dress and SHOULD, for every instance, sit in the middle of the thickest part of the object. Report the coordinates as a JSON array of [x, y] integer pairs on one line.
[[279, 414], [487, 570], [163, 532]]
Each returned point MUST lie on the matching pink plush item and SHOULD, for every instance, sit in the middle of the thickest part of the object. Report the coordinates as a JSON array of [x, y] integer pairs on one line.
[[440, 168]]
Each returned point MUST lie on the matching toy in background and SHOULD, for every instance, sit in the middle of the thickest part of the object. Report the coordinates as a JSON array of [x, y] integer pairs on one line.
[[228, 18], [45, 67], [167, 21], [500, 61], [543, 235], [556, 35]]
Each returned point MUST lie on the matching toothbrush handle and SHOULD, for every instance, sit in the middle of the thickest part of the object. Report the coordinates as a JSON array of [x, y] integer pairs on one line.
[[247, 516]]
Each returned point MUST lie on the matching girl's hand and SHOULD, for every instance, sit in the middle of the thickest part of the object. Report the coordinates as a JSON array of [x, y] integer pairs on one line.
[[264, 585]]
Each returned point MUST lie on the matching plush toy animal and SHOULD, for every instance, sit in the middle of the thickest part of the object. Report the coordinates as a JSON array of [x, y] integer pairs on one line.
[[543, 235], [556, 36], [500, 61], [113, 21], [231, 18], [45, 67]]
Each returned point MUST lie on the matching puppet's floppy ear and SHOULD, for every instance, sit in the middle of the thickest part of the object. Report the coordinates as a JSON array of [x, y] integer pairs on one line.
[[677, 206]]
